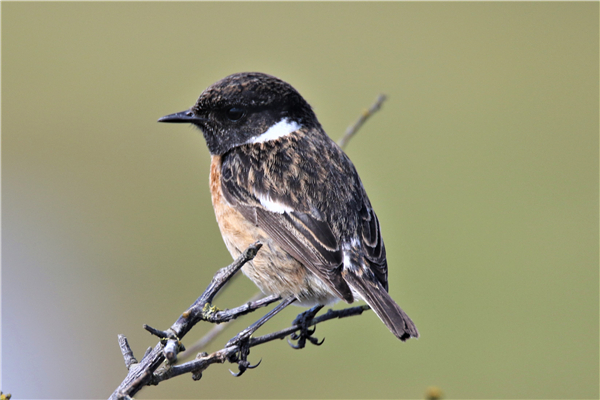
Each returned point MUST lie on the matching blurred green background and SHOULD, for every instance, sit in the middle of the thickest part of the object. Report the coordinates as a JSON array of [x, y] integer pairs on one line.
[[482, 166]]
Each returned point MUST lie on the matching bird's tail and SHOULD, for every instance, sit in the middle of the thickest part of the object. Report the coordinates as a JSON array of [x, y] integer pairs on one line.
[[384, 306]]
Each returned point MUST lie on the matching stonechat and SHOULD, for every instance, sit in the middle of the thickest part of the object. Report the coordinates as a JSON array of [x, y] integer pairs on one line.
[[276, 177]]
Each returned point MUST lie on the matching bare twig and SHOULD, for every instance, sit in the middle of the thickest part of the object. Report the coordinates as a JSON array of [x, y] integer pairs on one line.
[[212, 334], [227, 315], [223, 355], [143, 372], [330, 314], [126, 351], [157, 332], [352, 129]]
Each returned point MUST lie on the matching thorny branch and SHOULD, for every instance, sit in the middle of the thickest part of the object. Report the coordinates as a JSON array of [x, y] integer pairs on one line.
[[158, 363]]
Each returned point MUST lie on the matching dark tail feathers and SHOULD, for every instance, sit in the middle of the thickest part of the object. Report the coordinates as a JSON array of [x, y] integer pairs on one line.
[[384, 306]]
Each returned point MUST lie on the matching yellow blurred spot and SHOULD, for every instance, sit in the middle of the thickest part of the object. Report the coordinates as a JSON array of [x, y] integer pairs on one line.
[[433, 393]]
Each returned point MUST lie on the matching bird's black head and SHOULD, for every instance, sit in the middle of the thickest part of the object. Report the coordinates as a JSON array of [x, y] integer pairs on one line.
[[245, 108]]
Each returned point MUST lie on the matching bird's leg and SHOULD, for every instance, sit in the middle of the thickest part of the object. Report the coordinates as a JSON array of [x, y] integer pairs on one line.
[[304, 320], [242, 338]]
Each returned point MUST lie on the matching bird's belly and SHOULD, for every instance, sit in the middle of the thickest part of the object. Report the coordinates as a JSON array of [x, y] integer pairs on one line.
[[273, 270]]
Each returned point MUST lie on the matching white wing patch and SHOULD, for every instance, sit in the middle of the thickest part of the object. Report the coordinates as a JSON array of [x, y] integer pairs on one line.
[[346, 248], [280, 129], [347, 263], [273, 206]]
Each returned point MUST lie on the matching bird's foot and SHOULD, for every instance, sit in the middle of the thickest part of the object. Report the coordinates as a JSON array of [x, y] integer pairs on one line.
[[304, 320], [242, 339], [240, 357]]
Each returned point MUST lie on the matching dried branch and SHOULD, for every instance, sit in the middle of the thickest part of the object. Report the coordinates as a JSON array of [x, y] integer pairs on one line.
[[141, 374], [352, 129], [126, 351], [227, 315], [212, 334], [221, 356]]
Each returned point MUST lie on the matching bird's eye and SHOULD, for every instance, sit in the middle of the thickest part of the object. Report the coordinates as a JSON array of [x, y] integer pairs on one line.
[[235, 113]]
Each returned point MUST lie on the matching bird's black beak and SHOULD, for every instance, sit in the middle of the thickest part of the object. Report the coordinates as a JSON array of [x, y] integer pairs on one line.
[[186, 116]]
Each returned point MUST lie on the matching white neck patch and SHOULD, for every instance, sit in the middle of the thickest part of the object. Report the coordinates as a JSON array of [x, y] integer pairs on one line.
[[280, 129]]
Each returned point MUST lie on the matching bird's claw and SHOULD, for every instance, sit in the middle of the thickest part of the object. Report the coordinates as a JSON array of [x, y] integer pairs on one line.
[[243, 365], [241, 356], [305, 332], [302, 341]]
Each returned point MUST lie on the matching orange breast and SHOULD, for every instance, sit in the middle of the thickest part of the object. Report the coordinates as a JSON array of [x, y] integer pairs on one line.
[[238, 233]]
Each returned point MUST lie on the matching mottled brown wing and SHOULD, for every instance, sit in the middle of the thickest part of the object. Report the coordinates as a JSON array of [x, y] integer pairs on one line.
[[304, 237]]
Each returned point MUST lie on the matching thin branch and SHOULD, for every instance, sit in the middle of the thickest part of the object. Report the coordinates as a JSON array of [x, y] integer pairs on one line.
[[141, 374], [126, 351], [250, 306], [204, 341], [330, 314], [246, 333], [157, 332], [352, 129], [221, 356], [214, 332]]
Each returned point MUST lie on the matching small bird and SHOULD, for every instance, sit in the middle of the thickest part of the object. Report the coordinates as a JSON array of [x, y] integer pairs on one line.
[[276, 177]]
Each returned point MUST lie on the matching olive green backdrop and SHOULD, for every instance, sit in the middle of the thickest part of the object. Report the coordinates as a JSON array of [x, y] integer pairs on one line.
[[482, 166]]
